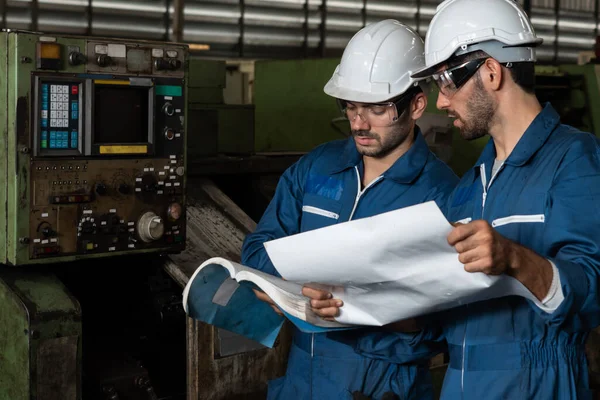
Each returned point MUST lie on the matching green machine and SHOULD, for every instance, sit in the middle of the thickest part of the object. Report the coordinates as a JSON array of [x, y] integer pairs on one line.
[[219, 128], [92, 165]]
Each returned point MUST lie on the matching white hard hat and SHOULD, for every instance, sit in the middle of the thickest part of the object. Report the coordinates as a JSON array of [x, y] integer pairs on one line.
[[377, 63], [499, 27]]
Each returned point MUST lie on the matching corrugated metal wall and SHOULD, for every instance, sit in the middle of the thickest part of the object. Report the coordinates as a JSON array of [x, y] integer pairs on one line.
[[281, 28]]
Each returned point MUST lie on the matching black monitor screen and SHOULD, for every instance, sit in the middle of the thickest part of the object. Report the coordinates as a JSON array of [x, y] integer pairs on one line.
[[120, 114]]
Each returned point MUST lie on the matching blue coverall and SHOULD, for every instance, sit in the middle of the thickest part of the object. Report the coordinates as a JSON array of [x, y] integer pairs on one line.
[[321, 189], [546, 196]]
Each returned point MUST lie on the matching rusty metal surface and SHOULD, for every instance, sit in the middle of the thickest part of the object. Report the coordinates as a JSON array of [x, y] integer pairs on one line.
[[216, 226], [57, 369]]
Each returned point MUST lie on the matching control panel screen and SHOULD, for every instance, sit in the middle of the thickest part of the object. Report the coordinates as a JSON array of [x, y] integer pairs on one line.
[[121, 114], [59, 116]]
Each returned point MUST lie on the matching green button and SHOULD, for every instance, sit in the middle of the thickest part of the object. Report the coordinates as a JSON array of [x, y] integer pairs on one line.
[[44, 144]]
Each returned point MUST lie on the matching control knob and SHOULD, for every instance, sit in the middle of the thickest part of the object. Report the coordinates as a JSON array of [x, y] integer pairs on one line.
[[77, 58], [124, 188], [149, 183], [103, 60], [168, 109], [150, 227], [100, 189], [88, 227], [162, 64]]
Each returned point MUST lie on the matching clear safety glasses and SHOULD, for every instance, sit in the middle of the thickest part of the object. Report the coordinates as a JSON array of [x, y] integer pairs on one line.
[[452, 79], [376, 115]]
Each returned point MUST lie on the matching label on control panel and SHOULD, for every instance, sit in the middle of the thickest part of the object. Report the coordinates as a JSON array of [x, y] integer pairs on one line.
[[133, 149]]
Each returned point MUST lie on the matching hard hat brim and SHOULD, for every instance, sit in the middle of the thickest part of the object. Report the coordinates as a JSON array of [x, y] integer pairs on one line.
[[347, 94], [426, 72]]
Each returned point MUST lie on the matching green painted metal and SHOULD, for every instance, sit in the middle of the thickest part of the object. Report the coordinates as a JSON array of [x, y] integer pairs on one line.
[[206, 73], [34, 307], [3, 141], [166, 90], [14, 346], [585, 93], [41, 291], [206, 81], [19, 76], [292, 112]]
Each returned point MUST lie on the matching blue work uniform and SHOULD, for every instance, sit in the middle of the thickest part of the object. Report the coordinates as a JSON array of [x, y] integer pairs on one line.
[[546, 197], [324, 188]]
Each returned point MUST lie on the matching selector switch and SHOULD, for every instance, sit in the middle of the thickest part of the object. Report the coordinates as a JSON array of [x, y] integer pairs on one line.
[[77, 58], [48, 232], [161, 64], [150, 227], [88, 227], [103, 60]]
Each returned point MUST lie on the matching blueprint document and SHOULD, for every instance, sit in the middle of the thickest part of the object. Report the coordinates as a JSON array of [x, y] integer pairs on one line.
[[388, 267], [385, 268]]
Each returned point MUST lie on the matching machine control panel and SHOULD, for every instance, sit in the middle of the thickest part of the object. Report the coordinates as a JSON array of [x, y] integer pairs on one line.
[[98, 206], [97, 156]]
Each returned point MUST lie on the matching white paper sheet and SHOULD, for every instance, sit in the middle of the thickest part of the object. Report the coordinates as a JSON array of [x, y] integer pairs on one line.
[[388, 267]]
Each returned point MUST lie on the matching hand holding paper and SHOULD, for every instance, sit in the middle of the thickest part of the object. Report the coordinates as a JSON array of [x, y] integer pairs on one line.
[[322, 302], [383, 269]]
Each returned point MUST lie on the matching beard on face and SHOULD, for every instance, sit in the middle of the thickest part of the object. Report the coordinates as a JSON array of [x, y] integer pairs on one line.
[[390, 141], [480, 111]]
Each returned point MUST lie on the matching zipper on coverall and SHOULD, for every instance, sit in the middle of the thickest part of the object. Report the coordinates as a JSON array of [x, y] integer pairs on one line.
[[358, 196]]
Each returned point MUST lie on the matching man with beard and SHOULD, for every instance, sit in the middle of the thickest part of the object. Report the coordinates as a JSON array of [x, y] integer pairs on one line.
[[384, 165], [528, 209]]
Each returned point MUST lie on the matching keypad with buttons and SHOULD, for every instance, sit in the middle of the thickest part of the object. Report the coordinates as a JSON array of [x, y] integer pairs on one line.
[[59, 116]]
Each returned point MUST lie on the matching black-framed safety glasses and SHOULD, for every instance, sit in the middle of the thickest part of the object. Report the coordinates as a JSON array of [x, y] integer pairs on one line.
[[452, 79]]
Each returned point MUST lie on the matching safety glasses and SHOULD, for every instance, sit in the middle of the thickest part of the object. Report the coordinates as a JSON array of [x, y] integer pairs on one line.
[[452, 79], [376, 115]]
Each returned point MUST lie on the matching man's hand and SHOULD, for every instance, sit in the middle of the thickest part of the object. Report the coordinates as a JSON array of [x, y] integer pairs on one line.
[[480, 248], [323, 303], [263, 296]]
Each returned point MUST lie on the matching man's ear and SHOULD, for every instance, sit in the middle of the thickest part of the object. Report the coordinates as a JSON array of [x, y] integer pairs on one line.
[[492, 74], [418, 105]]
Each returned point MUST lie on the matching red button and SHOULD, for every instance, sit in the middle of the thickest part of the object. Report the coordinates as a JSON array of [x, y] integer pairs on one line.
[[74, 89]]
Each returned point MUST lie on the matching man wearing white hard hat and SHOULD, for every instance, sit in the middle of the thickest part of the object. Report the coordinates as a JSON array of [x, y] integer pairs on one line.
[[529, 208], [384, 165]]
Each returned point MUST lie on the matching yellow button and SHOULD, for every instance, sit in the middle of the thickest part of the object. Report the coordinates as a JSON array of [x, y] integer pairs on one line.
[[89, 246]]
